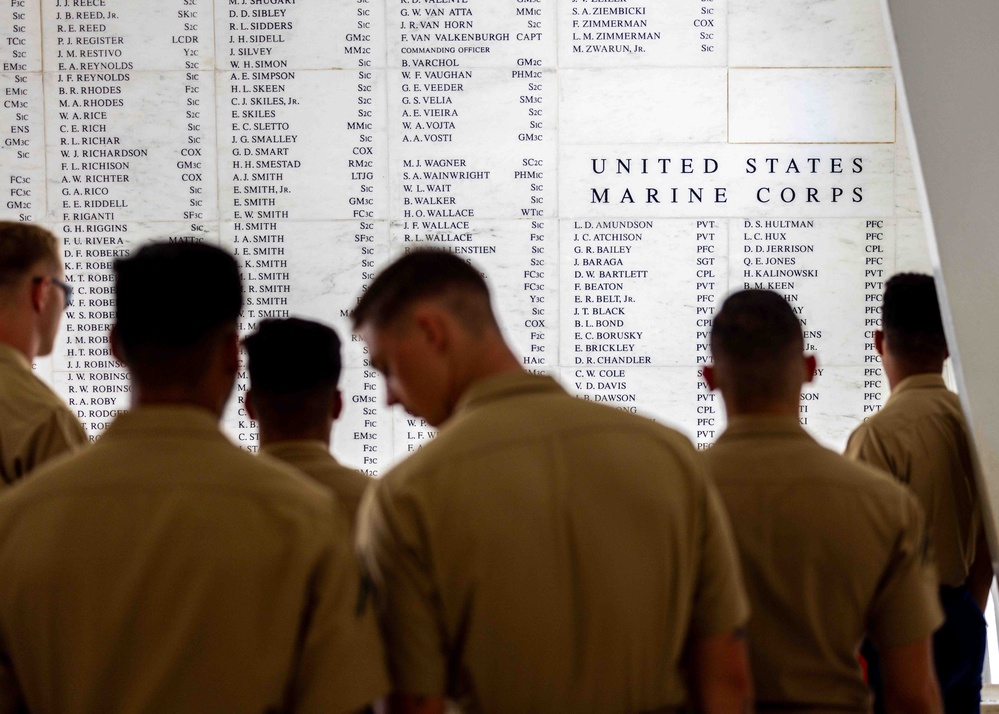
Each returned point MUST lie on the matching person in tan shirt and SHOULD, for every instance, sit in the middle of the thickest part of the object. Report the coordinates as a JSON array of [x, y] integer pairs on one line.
[[294, 368], [542, 553], [35, 424], [165, 570], [830, 549], [920, 437]]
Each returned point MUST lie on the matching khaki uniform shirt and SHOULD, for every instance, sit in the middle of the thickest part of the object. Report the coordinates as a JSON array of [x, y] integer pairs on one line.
[[164, 570], [920, 438], [546, 554], [35, 424], [830, 550], [314, 459]]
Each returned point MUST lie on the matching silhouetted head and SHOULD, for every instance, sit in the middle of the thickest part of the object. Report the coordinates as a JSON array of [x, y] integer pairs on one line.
[[911, 324], [294, 368], [757, 347], [177, 306]]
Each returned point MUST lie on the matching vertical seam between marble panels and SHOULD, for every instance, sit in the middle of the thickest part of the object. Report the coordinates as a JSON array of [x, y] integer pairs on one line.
[[45, 138], [728, 72], [728, 103], [213, 70]]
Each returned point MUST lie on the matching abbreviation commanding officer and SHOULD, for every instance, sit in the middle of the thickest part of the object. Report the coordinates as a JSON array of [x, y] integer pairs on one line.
[[542, 553], [830, 549], [163, 569], [35, 424]]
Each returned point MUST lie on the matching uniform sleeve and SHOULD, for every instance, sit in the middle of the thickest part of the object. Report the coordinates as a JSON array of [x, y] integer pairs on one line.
[[60, 433], [341, 667], [906, 607], [865, 446], [720, 603], [397, 561]]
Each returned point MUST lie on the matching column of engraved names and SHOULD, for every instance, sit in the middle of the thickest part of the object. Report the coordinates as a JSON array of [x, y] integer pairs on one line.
[[258, 88], [138, 77], [367, 427], [612, 27], [431, 79], [605, 275], [90, 167], [643, 293], [125, 163], [643, 33], [474, 152], [781, 255]]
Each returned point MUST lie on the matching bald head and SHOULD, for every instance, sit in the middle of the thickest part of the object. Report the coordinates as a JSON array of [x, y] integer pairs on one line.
[[757, 346]]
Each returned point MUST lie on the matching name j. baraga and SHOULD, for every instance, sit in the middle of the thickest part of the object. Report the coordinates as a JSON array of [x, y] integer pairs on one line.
[[653, 191]]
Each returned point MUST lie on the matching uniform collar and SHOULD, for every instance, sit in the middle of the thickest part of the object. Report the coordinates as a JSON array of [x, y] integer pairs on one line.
[[929, 380], [14, 358], [764, 424], [297, 447], [166, 420], [503, 386]]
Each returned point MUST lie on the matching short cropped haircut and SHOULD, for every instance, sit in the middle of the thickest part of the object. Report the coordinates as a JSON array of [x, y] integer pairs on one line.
[[294, 368], [292, 355], [758, 338], [423, 274], [910, 317], [22, 247], [171, 299]]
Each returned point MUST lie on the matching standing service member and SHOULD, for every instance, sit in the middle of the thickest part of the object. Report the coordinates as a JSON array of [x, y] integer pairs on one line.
[[35, 424], [542, 553], [294, 368], [920, 437]]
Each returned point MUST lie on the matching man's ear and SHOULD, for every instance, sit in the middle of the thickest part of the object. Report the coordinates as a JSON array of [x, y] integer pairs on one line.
[[433, 325], [710, 378], [879, 342], [115, 339], [40, 293], [248, 404], [230, 352], [810, 363], [336, 405]]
